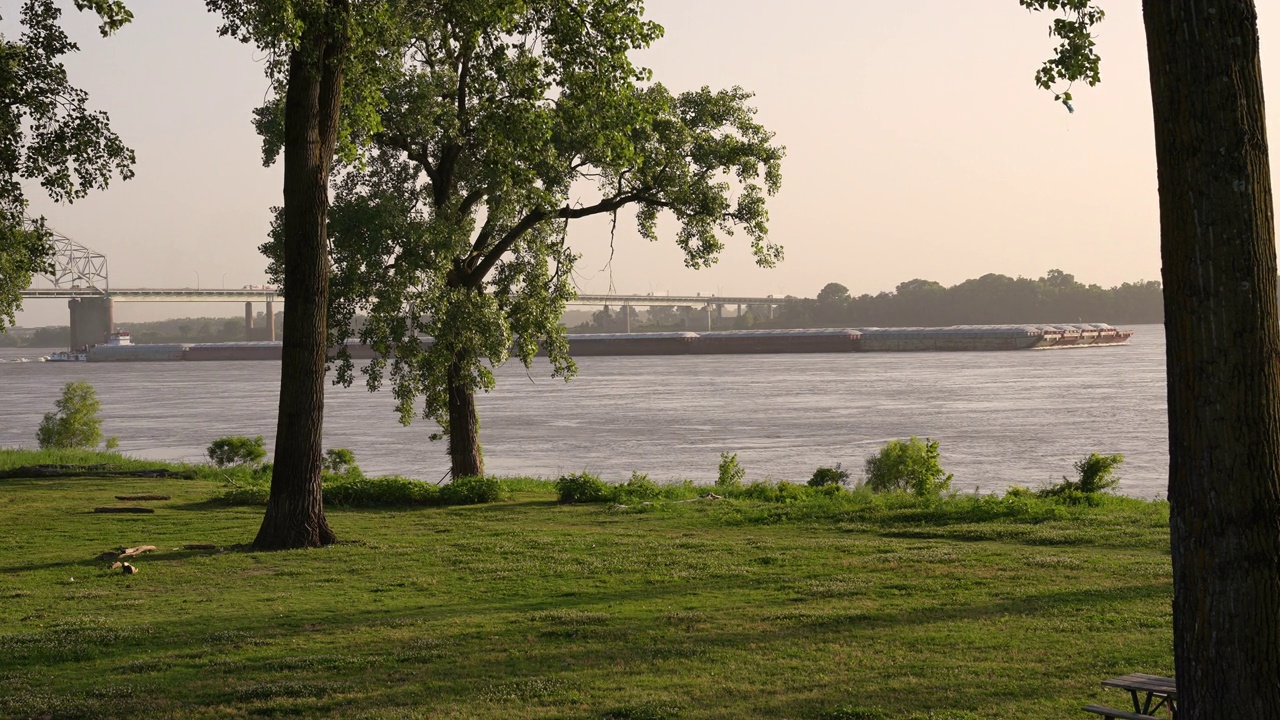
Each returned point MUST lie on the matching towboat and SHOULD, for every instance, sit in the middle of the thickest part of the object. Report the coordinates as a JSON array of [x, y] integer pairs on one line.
[[65, 356]]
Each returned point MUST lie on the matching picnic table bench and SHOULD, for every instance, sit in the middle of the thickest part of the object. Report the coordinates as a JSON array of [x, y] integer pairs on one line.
[[1149, 693]]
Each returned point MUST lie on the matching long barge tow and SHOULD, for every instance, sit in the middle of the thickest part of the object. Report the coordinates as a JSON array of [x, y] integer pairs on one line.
[[959, 338]]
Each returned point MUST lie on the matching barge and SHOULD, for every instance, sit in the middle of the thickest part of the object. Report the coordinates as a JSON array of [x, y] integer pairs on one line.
[[959, 338]]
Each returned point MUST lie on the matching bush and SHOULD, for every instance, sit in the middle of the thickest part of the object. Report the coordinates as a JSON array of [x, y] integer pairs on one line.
[[637, 489], [471, 491], [1094, 475], [1095, 472], [581, 488], [829, 476], [910, 465], [75, 425], [339, 460], [730, 473], [380, 492], [236, 450]]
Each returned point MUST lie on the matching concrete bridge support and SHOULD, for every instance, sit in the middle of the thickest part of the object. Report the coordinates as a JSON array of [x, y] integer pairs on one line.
[[271, 320], [248, 321], [92, 321]]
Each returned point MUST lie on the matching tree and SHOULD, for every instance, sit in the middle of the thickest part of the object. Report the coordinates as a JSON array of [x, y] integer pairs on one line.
[[507, 110], [75, 425], [1222, 329], [236, 450], [47, 133], [324, 57]]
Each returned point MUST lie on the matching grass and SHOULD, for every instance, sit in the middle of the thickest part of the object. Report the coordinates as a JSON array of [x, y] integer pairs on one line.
[[830, 608]]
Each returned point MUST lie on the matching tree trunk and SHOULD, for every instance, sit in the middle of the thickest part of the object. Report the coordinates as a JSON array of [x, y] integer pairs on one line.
[[1223, 335], [464, 426], [313, 102]]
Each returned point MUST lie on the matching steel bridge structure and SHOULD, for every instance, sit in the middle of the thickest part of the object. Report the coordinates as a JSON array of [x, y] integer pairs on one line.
[[80, 277]]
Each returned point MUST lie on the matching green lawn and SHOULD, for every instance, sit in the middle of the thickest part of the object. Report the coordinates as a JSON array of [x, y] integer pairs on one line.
[[529, 609]]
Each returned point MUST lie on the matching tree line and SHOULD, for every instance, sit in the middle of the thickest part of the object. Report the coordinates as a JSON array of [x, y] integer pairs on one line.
[[992, 299]]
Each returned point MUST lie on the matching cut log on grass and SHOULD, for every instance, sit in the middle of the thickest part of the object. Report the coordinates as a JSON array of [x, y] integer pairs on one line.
[[128, 569], [136, 551], [141, 498], [123, 510]]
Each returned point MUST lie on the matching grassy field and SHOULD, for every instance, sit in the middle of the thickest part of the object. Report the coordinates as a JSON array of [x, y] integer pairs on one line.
[[826, 608]]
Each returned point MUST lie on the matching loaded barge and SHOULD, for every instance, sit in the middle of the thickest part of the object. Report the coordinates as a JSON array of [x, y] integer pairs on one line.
[[959, 338]]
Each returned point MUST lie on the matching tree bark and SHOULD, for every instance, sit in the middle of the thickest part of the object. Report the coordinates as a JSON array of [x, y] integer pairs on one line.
[[313, 102], [1223, 336], [464, 426]]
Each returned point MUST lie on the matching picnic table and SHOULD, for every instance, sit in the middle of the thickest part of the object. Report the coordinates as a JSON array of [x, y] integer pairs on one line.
[[1149, 693]]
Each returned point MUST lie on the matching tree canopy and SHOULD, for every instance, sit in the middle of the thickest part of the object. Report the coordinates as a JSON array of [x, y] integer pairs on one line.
[[48, 134], [510, 119]]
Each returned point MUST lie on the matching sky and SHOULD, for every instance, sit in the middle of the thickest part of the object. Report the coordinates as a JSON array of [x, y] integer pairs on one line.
[[918, 146]]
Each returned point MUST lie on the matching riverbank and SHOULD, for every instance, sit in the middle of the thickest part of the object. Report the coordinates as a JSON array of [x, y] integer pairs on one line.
[[529, 609]]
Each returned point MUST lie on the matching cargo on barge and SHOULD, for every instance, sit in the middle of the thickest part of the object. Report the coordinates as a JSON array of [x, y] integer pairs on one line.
[[959, 338]]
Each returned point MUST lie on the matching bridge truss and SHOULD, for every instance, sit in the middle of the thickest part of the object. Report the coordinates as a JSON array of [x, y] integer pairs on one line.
[[76, 267]]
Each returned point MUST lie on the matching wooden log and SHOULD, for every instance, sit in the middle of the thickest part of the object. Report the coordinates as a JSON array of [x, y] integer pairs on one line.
[[141, 498], [136, 551]]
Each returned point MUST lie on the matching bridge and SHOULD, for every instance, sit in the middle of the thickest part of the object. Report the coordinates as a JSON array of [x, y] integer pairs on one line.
[[80, 277]]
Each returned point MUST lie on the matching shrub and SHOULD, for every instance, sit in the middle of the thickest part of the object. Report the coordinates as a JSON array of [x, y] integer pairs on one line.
[[1094, 475], [637, 489], [581, 488], [730, 473], [471, 491], [236, 450], [1095, 472], [829, 476], [339, 460], [911, 465], [75, 425], [380, 492]]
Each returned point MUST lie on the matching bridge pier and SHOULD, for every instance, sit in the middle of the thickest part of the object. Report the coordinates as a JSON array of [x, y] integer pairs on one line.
[[92, 321], [248, 321], [271, 321]]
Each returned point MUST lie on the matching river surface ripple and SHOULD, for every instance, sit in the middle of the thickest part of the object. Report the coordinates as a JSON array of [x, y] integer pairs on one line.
[[1002, 418]]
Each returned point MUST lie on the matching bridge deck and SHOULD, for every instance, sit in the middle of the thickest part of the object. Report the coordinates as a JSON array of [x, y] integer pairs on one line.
[[273, 294]]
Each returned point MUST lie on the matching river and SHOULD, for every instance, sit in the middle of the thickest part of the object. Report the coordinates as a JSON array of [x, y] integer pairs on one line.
[[1002, 418]]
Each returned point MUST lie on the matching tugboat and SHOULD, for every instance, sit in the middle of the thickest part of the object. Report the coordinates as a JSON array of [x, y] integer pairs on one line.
[[119, 338], [68, 356]]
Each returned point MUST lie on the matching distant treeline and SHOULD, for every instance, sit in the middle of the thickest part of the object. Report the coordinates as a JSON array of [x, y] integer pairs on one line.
[[180, 330], [989, 300]]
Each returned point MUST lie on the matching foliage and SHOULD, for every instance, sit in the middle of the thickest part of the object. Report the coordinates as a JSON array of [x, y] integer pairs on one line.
[[1075, 57], [908, 465], [1094, 475], [581, 488], [339, 460], [471, 491], [638, 488], [236, 450], [75, 424], [990, 299], [379, 492], [48, 134], [829, 476], [730, 474], [505, 112]]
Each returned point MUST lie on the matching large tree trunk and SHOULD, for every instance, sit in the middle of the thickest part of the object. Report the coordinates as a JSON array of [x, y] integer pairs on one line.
[[464, 426], [313, 102], [1223, 335]]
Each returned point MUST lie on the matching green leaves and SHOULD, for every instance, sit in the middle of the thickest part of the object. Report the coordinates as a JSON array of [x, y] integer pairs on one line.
[[1075, 58], [509, 120], [48, 134]]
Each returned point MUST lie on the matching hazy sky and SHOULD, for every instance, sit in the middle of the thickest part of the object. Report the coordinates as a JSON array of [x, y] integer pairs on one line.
[[917, 146]]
